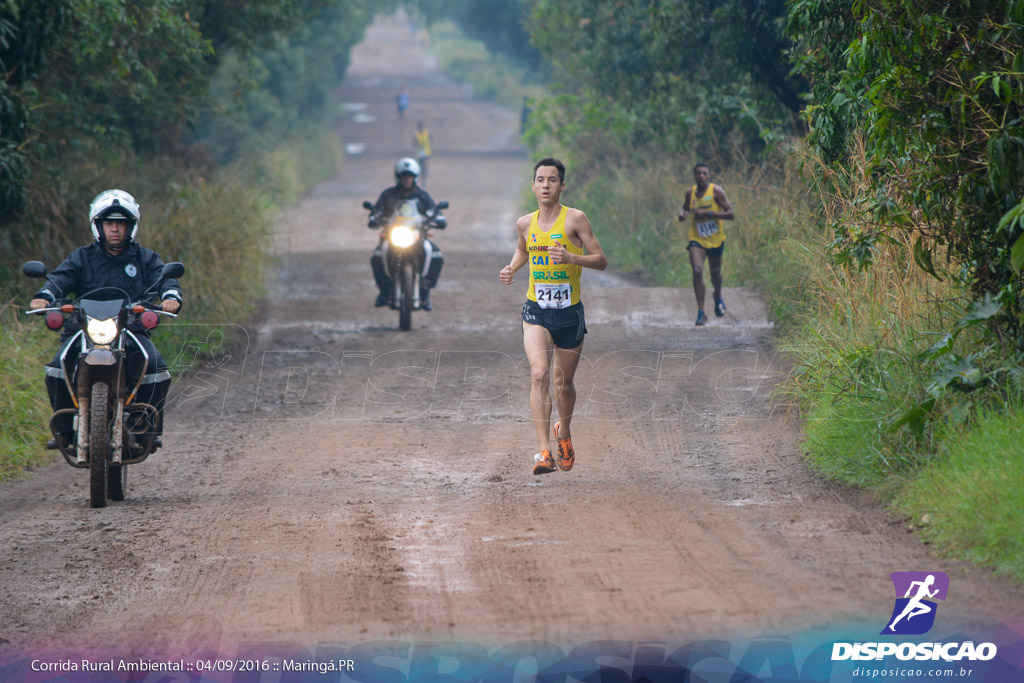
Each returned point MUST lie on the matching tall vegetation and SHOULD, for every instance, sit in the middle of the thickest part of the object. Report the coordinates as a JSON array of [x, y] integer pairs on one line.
[[702, 78], [918, 141], [500, 24], [154, 79], [933, 92]]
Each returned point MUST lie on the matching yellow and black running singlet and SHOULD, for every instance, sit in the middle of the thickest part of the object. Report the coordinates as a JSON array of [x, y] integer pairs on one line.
[[708, 233], [552, 285]]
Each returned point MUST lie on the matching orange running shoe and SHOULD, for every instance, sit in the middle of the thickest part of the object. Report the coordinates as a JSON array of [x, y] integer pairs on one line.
[[566, 455], [543, 463]]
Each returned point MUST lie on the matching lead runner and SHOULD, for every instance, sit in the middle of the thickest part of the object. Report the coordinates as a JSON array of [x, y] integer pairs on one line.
[[552, 241]]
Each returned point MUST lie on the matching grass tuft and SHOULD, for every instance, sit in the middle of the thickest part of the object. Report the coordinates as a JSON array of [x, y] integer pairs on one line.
[[969, 501]]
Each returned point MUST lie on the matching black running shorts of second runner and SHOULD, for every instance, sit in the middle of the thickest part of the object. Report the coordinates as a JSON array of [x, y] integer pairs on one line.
[[566, 325], [713, 252]]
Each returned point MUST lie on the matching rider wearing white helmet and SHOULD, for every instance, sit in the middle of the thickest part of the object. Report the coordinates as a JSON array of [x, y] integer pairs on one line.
[[407, 170], [113, 260]]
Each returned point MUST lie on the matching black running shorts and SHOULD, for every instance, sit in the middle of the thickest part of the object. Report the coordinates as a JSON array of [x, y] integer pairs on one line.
[[566, 325], [713, 252]]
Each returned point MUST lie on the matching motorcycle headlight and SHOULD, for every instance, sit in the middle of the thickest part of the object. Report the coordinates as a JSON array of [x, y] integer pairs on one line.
[[101, 332], [402, 236]]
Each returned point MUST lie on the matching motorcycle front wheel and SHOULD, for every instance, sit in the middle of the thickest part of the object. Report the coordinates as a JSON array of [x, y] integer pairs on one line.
[[117, 482], [98, 446], [405, 312]]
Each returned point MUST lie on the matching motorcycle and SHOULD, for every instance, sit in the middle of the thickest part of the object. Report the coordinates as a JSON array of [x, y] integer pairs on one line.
[[111, 429], [405, 233]]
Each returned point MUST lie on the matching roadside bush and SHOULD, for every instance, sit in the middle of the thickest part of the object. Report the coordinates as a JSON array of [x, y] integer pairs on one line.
[[970, 500]]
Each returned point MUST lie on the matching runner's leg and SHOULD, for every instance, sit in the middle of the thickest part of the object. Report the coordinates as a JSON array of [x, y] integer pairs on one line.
[[697, 255], [715, 266], [565, 363], [538, 344]]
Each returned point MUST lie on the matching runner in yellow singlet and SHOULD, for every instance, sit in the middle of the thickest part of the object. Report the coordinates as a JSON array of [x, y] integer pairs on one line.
[[709, 206], [556, 242], [421, 138]]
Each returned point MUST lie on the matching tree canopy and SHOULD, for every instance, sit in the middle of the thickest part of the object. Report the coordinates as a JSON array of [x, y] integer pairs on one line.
[[137, 75], [933, 93]]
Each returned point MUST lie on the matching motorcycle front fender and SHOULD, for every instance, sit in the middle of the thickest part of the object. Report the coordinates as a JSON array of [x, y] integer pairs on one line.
[[99, 358]]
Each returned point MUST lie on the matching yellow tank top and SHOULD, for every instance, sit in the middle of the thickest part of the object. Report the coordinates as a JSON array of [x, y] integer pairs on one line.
[[552, 285], [423, 142], [708, 233]]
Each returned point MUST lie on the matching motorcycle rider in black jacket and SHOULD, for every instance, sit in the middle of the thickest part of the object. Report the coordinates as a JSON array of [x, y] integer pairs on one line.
[[407, 170], [114, 259]]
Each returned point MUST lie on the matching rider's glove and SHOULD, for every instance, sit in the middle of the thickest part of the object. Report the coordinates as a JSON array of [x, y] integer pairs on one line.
[[374, 222], [441, 222]]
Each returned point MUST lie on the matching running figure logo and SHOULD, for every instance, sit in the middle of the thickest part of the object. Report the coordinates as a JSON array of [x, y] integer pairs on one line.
[[914, 613]]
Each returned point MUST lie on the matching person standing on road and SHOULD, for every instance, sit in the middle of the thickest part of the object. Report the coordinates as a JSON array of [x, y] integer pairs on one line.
[[402, 101], [553, 241], [421, 138], [709, 206]]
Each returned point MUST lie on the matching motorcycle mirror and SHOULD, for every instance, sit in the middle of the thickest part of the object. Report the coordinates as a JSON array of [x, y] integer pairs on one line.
[[54, 320], [149, 319], [441, 206], [368, 206], [34, 269], [172, 271]]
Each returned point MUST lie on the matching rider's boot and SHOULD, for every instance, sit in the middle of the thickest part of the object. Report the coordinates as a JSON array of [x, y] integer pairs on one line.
[[380, 277], [52, 444], [425, 300]]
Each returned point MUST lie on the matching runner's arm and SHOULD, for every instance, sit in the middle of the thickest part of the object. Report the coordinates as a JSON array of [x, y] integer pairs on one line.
[[577, 224], [520, 257], [686, 207], [726, 214]]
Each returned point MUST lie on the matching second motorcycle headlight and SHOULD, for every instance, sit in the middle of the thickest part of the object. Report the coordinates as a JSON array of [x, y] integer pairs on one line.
[[402, 236], [101, 331]]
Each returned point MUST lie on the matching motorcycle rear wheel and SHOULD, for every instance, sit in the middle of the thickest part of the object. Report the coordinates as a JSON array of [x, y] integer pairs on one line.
[[405, 312], [98, 446]]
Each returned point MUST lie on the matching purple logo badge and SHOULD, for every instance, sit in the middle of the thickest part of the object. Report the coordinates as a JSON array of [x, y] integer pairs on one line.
[[914, 611]]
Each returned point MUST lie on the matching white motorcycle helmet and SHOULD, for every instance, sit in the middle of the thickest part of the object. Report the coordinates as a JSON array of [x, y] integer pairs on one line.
[[114, 205], [406, 165]]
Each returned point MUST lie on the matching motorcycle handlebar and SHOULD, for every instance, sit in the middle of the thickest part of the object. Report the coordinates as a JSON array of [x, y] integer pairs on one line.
[[70, 308]]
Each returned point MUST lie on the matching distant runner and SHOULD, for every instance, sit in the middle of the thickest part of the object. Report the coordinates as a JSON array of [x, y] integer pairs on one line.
[[709, 206], [402, 102], [421, 138], [552, 241]]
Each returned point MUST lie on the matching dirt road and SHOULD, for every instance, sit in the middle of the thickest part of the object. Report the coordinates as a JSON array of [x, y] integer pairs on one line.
[[334, 479]]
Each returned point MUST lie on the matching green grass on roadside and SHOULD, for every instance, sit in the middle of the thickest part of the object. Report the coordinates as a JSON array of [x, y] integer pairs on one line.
[[852, 397], [24, 408], [969, 500]]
